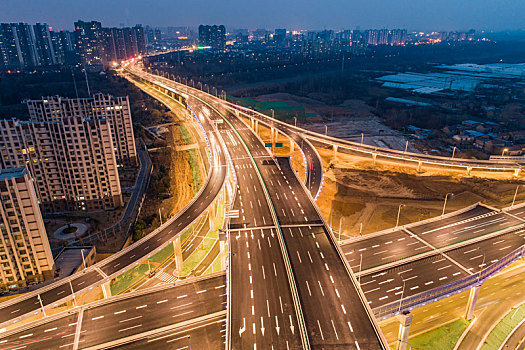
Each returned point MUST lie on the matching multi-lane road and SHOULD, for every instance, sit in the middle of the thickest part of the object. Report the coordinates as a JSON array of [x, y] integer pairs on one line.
[[424, 256], [157, 318]]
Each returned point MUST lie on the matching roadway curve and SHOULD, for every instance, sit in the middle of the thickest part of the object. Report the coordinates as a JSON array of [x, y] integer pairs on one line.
[[314, 167], [288, 277], [54, 294]]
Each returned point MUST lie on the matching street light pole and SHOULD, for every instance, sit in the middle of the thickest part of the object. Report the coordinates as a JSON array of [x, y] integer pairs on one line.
[[402, 293], [295, 121], [515, 194], [340, 224], [406, 146], [504, 150], [325, 130], [445, 204], [453, 151], [398, 213], [362, 137]]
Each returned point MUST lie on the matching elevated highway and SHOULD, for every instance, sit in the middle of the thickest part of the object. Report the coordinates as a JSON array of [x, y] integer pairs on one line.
[[322, 278]]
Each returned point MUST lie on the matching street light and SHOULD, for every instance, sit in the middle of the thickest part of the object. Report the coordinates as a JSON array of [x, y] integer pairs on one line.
[[325, 130], [362, 137], [453, 152], [340, 224], [445, 204], [504, 150], [482, 263], [402, 292], [406, 147], [398, 213], [295, 121], [515, 194]]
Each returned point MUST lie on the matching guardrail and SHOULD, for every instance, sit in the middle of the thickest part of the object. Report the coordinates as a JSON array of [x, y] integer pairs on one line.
[[407, 304]]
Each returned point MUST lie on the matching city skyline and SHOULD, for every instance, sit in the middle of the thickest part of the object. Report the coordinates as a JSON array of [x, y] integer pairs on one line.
[[335, 14]]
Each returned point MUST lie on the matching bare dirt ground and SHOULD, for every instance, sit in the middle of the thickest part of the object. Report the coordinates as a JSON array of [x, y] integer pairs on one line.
[[361, 193], [346, 120]]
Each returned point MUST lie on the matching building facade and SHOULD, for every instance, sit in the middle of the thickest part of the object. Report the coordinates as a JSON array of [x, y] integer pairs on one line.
[[25, 255], [71, 160], [213, 36], [115, 109]]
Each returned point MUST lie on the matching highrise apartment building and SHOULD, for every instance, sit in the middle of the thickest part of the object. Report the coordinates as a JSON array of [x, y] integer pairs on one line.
[[25, 255], [26, 46], [115, 109], [71, 160], [213, 36]]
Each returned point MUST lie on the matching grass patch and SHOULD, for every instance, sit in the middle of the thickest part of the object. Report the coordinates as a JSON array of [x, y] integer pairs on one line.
[[122, 282], [282, 109], [195, 171], [441, 338], [503, 328], [162, 255], [186, 136]]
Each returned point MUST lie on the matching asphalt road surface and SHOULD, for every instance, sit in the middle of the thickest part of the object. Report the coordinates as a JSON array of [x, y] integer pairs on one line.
[[113, 319]]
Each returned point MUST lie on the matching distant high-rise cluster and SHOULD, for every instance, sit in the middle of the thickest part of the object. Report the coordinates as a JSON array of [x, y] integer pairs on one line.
[[25, 46], [99, 45], [457, 36], [386, 37], [28, 46], [213, 36]]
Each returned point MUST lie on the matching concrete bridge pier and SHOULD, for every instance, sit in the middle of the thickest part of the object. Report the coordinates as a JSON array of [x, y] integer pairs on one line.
[[211, 216], [223, 255], [405, 320], [374, 156], [419, 164], [106, 289], [517, 172], [177, 254], [471, 304], [469, 170], [291, 146], [335, 152]]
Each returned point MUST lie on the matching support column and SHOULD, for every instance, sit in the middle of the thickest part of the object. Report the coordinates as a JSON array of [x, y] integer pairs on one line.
[[517, 172], [106, 289], [222, 254], [177, 254], [252, 123], [211, 216], [374, 156], [419, 164], [335, 151], [257, 127], [471, 304], [469, 169], [292, 146], [271, 134], [405, 320]]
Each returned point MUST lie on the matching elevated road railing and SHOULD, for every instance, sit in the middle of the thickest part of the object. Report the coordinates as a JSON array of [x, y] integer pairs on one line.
[[374, 151], [447, 290]]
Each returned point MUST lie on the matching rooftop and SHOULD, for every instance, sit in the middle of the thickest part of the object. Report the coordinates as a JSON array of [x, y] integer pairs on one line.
[[9, 173]]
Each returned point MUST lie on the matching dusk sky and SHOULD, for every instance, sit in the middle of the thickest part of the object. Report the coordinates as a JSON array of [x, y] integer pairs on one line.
[[290, 14]]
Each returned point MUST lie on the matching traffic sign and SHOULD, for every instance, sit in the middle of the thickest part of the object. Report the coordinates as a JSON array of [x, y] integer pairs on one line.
[[268, 144], [278, 144]]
